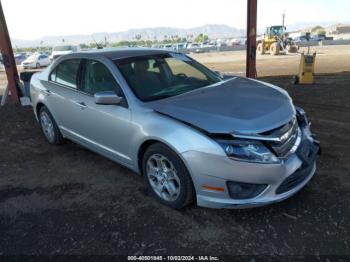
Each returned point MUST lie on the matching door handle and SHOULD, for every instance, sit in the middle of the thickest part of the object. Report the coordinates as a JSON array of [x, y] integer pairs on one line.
[[48, 92], [81, 104]]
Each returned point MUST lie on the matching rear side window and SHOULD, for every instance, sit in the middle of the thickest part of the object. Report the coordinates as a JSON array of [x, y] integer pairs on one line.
[[66, 73]]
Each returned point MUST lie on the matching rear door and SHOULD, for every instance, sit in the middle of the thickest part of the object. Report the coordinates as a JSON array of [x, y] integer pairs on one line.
[[62, 95]]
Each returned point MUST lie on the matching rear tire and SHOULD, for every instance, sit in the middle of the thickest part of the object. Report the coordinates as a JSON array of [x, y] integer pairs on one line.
[[260, 49], [49, 127], [167, 176]]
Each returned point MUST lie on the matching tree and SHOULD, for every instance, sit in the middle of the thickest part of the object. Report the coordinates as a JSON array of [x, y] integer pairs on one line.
[[201, 38], [316, 29], [83, 46]]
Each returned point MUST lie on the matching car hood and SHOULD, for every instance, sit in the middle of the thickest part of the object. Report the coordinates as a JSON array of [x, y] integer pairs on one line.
[[238, 105]]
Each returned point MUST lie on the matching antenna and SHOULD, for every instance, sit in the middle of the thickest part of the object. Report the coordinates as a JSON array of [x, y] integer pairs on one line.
[[97, 44]]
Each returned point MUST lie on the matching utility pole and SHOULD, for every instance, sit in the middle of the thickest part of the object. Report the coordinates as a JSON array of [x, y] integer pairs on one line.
[[8, 59], [283, 24], [251, 38]]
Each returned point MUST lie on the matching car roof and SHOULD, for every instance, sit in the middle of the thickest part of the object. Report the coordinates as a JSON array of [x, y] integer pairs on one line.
[[119, 53]]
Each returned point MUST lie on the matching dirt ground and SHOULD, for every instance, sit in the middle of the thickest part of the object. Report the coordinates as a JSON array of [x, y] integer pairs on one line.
[[329, 59], [68, 200]]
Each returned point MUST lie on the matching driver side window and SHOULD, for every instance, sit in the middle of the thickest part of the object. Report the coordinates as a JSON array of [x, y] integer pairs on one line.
[[180, 67], [98, 78]]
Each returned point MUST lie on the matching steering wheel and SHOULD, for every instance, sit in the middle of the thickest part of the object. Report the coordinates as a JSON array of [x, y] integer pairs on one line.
[[190, 80], [182, 75]]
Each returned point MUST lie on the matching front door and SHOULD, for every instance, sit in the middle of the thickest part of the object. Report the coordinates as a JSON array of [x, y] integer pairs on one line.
[[104, 127]]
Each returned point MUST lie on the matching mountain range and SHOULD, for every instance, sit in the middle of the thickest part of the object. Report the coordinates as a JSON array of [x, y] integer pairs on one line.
[[159, 33]]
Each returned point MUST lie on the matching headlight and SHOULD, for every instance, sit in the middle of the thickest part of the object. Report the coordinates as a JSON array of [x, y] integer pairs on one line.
[[301, 117], [249, 151]]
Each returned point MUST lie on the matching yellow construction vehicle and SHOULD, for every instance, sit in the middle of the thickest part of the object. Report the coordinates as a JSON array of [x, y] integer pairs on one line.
[[275, 42]]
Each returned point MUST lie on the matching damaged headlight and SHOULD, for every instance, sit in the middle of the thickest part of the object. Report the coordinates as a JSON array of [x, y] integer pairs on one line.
[[301, 117], [249, 151]]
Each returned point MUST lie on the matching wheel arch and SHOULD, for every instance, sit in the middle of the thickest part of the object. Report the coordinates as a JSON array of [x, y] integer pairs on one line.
[[38, 106], [150, 141], [142, 149], [146, 144]]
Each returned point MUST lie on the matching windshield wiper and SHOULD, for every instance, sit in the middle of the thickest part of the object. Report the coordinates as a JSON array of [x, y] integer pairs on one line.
[[157, 97]]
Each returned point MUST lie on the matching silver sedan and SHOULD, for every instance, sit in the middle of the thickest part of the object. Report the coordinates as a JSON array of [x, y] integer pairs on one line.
[[194, 135]]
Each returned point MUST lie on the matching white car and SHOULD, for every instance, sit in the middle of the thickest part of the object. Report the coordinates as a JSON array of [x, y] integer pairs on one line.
[[62, 50], [36, 61]]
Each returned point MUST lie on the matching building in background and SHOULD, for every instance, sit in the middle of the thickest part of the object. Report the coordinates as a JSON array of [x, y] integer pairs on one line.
[[339, 29]]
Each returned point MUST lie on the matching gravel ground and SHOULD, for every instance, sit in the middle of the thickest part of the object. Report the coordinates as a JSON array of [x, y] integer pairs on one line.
[[68, 200]]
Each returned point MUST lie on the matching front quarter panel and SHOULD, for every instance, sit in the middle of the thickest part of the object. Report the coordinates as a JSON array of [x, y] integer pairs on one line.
[[180, 137]]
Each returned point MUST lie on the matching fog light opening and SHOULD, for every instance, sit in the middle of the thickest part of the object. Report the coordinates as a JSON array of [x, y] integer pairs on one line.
[[239, 190]]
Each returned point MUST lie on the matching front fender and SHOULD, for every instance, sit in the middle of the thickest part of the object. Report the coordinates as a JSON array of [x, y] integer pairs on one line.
[[178, 136]]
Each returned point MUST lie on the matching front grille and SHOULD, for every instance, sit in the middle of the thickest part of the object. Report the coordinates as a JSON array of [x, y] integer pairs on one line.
[[290, 131]]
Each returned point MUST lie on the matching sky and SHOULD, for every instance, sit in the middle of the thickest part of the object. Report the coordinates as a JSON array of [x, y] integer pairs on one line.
[[33, 19]]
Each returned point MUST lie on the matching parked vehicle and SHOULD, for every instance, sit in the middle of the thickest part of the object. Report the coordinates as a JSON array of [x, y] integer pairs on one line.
[[194, 47], [207, 44], [36, 60], [318, 37], [19, 58], [226, 143], [178, 46], [62, 50], [168, 46]]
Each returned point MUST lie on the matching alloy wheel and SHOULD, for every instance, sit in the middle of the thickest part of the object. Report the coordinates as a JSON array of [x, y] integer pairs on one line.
[[163, 177], [47, 126]]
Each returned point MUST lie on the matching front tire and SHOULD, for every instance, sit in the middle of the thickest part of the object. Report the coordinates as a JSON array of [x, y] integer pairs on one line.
[[49, 127], [167, 176], [274, 49]]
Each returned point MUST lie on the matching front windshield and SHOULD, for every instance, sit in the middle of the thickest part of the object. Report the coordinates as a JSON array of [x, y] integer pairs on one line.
[[277, 30], [164, 75], [63, 48]]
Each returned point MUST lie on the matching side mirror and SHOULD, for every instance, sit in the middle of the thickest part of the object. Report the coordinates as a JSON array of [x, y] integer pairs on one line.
[[107, 98]]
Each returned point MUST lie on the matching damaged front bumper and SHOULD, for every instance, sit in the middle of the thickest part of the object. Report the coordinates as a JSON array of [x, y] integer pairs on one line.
[[280, 181]]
